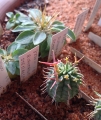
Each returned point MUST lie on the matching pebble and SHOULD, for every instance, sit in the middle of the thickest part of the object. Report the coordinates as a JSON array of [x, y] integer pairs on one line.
[[61, 56]]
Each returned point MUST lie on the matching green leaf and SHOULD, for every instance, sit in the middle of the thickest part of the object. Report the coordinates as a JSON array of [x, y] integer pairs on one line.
[[24, 28], [9, 25], [98, 107], [99, 95], [16, 23], [11, 67], [35, 13], [43, 46], [53, 29], [21, 14], [13, 21], [17, 72], [39, 37], [24, 19], [17, 15], [10, 14], [58, 27], [49, 39], [17, 64], [3, 52], [30, 46], [57, 23], [25, 37], [12, 47], [43, 50], [44, 54], [28, 23], [71, 35], [17, 53]]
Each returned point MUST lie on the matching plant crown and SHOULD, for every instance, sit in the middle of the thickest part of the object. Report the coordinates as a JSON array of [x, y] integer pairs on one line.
[[36, 28]]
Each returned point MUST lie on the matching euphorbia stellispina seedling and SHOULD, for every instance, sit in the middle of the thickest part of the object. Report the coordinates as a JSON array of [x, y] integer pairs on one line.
[[62, 79]]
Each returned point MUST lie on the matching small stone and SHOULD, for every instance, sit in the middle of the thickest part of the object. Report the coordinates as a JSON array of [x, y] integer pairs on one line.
[[61, 56], [64, 52]]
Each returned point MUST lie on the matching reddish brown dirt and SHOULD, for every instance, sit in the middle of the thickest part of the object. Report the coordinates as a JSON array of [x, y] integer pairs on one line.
[[68, 11], [12, 108]]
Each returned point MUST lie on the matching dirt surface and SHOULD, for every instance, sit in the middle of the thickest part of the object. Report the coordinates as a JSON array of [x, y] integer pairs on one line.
[[68, 11], [13, 108]]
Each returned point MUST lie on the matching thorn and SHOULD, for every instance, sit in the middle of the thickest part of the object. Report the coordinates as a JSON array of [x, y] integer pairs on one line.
[[45, 76], [43, 92], [45, 81], [68, 103], [56, 104], [46, 96], [42, 84], [55, 94], [69, 86], [53, 85], [44, 88], [53, 100]]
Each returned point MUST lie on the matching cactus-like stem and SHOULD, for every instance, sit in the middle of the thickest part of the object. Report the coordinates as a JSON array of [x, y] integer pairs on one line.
[[62, 80]]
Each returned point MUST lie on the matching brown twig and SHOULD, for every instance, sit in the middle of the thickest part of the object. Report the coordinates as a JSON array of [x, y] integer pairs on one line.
[[31, 106]]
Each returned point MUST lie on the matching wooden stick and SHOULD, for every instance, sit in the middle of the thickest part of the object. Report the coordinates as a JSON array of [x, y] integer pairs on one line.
[[31, 106]]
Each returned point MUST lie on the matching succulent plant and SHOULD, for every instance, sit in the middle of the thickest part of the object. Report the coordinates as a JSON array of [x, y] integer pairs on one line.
[[97, 108], [36, 28], [17, 19], [11, 59], [62, 80]]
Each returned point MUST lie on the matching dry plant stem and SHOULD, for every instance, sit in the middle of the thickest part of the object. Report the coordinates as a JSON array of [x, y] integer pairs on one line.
[[31, 107]]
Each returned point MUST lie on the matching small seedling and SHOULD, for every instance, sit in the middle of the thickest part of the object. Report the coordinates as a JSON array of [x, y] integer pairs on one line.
[[62, 79], [38, 30], [97, 108], [11, 59]]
